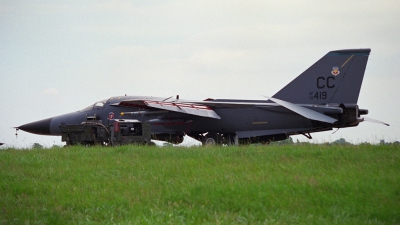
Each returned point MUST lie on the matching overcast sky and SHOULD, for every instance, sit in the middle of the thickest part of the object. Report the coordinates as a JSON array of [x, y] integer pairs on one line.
[[61, 57]]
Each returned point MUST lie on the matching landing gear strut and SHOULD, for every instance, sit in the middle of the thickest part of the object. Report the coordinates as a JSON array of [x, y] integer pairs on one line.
[[307, 135]]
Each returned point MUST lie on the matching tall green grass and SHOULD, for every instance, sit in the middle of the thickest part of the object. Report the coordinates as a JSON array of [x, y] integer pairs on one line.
[[296, 184]]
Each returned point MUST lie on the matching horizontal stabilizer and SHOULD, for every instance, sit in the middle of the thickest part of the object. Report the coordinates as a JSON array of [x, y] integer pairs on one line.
[[374, 121], [308, 113]]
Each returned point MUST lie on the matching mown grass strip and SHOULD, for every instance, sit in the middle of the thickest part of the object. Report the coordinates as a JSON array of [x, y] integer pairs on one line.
[[300, 184]]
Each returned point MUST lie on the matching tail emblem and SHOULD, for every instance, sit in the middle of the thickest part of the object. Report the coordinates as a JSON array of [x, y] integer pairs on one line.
[[335, 70], [111, 116]]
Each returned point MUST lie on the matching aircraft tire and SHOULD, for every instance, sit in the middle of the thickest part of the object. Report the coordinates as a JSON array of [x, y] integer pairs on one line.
[[106, 142], [212, 139]]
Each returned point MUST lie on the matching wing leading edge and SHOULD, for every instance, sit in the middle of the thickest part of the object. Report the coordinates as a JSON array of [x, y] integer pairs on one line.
[[181, 107]]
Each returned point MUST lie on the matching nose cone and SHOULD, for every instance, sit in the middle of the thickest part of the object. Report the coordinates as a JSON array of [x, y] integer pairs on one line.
[[41, 127]]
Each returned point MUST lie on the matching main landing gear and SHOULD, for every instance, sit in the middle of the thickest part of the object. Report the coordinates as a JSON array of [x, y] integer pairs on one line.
[[211, 139]]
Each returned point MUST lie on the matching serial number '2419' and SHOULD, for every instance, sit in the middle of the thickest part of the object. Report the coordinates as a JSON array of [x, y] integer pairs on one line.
[[318, 95]]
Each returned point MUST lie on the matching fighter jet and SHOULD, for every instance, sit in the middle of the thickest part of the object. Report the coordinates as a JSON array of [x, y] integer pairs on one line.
[[322, 98]]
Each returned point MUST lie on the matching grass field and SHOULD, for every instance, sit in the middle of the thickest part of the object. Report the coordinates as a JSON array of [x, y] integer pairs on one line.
[[291, 184]]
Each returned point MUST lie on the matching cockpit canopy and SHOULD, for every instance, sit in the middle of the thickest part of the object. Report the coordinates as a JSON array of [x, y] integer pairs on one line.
[[97, 105]]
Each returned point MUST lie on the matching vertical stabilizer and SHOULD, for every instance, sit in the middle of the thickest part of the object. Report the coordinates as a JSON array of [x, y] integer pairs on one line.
[[335, 78]]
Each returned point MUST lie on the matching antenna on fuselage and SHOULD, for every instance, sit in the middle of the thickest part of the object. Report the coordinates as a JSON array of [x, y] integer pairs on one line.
[[167, 99]]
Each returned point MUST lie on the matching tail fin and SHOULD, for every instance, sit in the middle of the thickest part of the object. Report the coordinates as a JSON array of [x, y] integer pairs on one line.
[[335, 78]]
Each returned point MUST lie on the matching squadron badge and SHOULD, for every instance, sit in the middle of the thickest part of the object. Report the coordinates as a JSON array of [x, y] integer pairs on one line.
[[111, 116], [335, 71]]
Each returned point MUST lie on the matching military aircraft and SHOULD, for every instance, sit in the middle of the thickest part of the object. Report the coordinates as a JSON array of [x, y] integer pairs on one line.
[[322, 98]]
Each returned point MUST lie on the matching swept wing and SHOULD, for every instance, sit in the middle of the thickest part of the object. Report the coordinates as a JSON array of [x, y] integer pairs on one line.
[[181, 107]]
